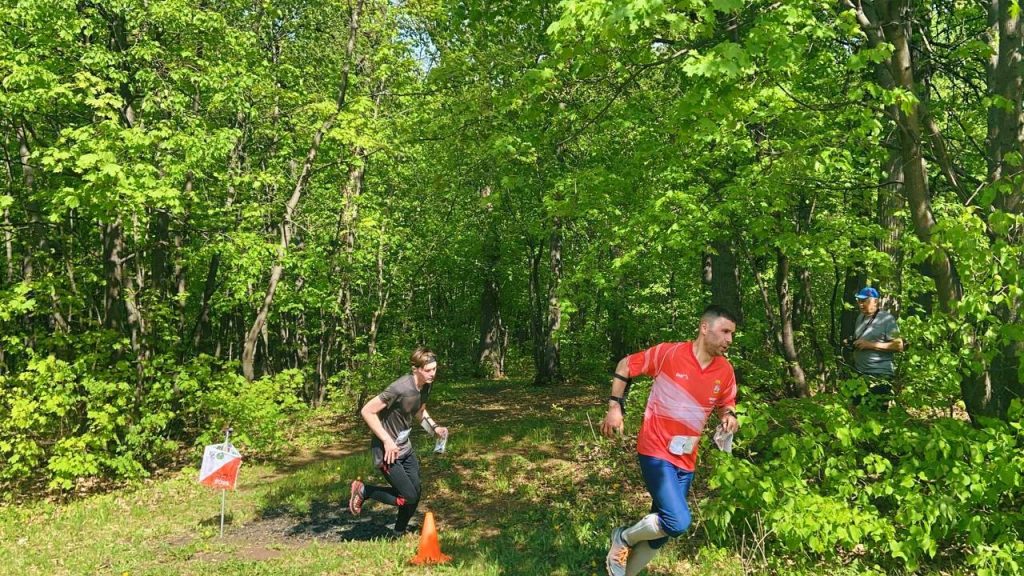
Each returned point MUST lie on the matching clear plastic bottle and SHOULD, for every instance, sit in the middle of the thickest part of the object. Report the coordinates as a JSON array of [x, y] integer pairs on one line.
[[440, 443], [723, 439]]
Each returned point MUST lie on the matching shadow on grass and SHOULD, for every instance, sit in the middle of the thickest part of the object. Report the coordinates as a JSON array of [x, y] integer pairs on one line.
[[215, 520]]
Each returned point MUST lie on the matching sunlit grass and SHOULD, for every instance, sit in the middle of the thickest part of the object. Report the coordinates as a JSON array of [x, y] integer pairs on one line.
[[525, 488]]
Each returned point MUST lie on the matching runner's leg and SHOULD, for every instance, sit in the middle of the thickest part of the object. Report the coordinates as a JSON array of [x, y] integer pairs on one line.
[[669, 487], [405, 477]]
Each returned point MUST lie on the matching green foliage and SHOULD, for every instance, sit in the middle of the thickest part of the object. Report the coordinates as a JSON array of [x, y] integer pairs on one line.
[[894, 489], [257, 410], [62, 422]]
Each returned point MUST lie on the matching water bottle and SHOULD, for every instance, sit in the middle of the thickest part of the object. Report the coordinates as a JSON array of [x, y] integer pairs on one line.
[[440, 443], [723, 439]]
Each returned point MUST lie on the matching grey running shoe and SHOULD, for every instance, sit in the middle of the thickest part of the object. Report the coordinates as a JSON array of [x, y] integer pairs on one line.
[[618, 554]]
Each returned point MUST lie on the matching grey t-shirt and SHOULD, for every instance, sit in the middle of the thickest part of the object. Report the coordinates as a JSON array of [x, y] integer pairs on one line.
[[881, 328], [402, 401]]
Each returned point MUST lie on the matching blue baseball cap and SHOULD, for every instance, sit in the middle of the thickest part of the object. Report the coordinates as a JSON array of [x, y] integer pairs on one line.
[[867, 292]]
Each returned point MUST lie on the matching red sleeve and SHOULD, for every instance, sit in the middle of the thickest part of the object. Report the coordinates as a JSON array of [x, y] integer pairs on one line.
[[646, 363], [728, 400]]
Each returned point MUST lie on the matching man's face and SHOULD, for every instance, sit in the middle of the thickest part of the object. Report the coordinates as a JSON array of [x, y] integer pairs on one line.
[[427, 373], [868, 306], [718, 335]]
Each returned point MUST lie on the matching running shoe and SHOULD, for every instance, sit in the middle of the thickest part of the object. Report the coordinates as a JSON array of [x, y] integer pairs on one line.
[[618, 554], [355, 501]]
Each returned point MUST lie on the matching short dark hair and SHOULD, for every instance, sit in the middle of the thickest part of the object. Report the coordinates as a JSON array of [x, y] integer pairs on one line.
[[715, 311]]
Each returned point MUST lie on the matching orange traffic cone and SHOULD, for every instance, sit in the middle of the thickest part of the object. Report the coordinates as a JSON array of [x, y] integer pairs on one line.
[[430, 549]]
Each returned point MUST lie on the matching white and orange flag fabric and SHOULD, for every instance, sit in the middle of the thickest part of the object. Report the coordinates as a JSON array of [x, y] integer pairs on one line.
[[220, 466]]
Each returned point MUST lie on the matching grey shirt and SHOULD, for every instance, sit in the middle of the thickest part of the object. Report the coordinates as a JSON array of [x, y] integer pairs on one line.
[[879, 328], [402, 401]]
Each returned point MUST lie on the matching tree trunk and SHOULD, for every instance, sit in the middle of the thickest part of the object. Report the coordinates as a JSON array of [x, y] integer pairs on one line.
[[617, 333], [891, 202], [991, 394], [854, 281], [493, 335], [797, 380], [8, 247], [160, 227], [113, 305], [884, 21], [808, 325], [8, 229], [549, 368], [28, 180], [725, 278], [203, 324]]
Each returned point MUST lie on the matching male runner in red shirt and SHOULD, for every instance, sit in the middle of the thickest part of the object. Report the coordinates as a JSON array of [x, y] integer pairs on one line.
[[690, 380]]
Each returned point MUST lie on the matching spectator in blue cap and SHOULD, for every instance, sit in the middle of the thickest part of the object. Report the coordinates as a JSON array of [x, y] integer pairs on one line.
[[876, 337]]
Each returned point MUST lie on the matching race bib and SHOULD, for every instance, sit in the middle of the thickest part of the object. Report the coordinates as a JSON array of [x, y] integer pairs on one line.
[[680, 445], [403, 436]]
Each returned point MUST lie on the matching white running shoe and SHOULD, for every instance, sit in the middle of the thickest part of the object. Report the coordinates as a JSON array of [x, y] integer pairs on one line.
[[618, 554]]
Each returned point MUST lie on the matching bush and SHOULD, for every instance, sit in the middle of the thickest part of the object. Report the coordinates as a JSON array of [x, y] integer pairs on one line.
[[890, 487], [257, 411], [61, 422]]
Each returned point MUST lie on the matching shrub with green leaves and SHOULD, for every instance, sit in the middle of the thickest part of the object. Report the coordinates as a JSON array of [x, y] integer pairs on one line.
[[256, 411], [898, 490], [62, 421]]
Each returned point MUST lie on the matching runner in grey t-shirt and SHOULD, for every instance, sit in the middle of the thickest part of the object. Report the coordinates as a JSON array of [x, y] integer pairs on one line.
[[390, 416], [402, 400]]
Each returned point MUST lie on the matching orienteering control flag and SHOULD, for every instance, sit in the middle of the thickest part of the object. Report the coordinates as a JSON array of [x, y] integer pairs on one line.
[[220, 466]]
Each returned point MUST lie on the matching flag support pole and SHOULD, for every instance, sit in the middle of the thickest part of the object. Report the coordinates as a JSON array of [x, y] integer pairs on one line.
[[223, 491]]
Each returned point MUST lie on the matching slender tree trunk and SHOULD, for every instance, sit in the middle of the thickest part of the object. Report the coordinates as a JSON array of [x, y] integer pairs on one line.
[[203, 324], [383, 297], [277, 269], [341, 326], [160, 227], [617, 323], [536, 256], [180, 279], [8, 247], [384, 286], [28, 180], [804, 320], [113, 304], [853, 281], [797, 380], [8, 228]]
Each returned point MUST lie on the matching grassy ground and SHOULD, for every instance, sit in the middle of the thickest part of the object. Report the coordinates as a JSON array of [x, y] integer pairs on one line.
[[526, 487]]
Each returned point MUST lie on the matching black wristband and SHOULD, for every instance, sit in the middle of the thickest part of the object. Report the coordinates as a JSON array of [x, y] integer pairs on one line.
[[621, 401], [730, 413]]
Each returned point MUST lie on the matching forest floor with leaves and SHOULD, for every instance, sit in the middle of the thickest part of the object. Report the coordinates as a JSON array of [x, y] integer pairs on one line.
[[526, 487]]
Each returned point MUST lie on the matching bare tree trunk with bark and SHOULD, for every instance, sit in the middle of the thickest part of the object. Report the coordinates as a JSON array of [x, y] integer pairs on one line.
[[797, 387]]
